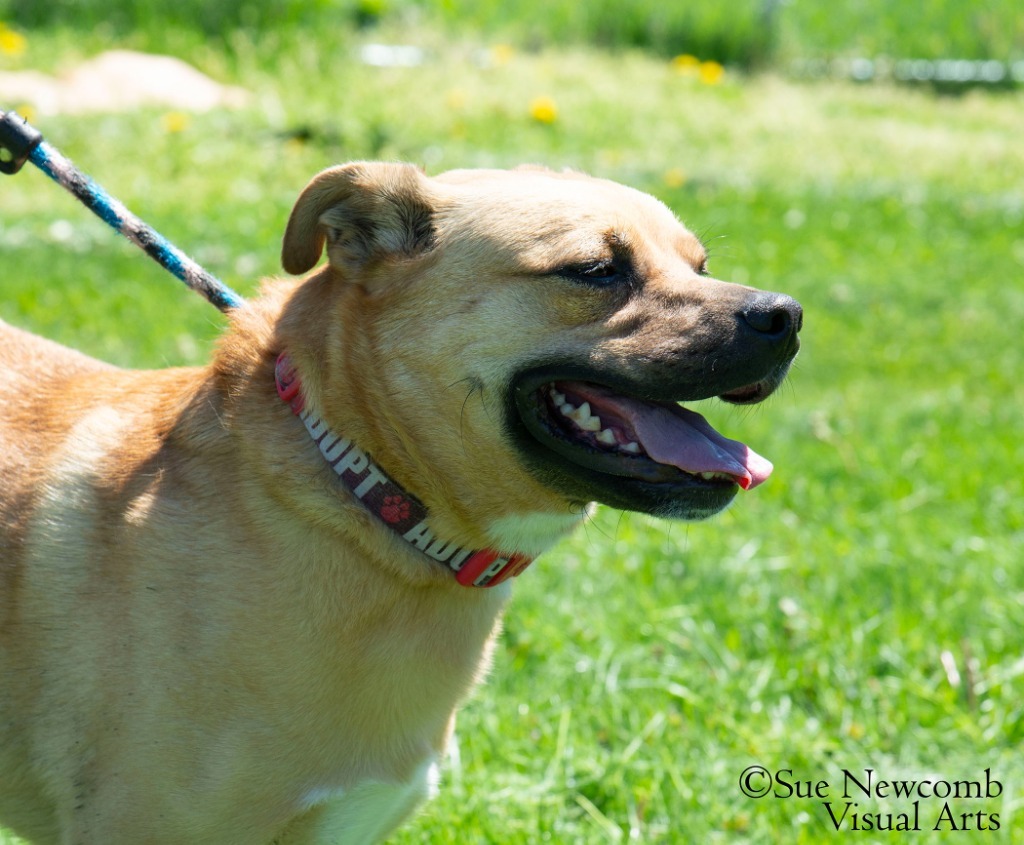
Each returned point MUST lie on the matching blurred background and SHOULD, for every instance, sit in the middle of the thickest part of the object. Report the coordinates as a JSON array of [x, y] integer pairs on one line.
[[747, 34], [865, 607]]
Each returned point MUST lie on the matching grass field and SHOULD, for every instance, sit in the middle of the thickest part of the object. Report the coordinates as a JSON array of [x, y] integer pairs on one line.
[[748, 33], [864, 609]]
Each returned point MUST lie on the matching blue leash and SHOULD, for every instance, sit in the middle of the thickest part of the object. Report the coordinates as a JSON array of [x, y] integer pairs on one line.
[[21, 142]]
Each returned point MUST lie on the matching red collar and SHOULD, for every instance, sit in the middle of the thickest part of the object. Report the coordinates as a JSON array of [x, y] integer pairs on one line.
[[402, 512]]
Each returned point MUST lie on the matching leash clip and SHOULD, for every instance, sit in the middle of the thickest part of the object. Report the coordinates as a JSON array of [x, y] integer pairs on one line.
[[18, 138]]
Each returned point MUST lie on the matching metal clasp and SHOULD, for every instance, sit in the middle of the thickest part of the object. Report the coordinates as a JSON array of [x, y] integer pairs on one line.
[[18, 139]]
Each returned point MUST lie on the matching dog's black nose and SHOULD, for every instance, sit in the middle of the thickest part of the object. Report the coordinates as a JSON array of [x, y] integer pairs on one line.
[[774, 315]]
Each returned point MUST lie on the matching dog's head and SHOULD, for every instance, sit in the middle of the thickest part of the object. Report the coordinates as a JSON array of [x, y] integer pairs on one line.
[[526, 336]]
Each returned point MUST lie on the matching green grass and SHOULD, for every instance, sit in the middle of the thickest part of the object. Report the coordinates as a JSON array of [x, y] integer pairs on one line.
[[744, 33], [932, 29], [645, 665]]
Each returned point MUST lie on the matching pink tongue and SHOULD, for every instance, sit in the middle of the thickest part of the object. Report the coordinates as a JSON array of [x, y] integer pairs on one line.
[[684, 439]]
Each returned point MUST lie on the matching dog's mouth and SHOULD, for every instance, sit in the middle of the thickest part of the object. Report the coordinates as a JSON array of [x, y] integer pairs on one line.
[[636, 453], [652, 441]]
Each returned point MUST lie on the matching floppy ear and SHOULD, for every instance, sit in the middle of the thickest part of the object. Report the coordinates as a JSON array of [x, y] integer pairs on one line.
[[363, 211]]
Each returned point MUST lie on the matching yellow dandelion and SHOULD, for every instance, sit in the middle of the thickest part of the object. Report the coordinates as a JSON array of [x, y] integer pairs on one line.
[[27, 111], [544, 110], [711, 73], [456, 99], [674, 177], [175, 121], [11, 43], [502, 54], [686, 65]]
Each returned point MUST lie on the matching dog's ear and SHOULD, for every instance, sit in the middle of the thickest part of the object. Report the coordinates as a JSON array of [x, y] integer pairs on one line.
[[363, 211]]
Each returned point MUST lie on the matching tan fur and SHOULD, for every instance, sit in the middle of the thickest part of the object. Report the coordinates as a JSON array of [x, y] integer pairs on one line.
[[200, 628]]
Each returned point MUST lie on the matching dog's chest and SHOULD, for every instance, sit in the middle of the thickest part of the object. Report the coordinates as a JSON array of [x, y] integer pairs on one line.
[[362, 814]]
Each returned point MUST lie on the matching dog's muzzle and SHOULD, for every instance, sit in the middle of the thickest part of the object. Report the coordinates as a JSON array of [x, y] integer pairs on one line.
[[613, 435]]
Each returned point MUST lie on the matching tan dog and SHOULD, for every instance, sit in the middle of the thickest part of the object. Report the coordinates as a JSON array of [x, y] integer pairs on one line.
[[221, 622]]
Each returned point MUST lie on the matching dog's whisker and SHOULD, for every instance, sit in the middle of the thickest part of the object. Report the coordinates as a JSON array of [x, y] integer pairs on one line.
[[474, 387], [618, 524]]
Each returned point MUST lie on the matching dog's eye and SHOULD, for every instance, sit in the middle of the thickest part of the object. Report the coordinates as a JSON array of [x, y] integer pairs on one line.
[[598, 273]]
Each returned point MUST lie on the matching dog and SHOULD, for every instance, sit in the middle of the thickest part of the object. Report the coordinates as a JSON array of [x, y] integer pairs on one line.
[[241, 603]]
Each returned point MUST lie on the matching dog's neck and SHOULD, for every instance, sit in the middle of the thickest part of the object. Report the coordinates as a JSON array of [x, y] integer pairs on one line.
[[402, 512]]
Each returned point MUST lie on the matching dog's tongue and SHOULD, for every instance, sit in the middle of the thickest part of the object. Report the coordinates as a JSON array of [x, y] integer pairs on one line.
[[686, 440]]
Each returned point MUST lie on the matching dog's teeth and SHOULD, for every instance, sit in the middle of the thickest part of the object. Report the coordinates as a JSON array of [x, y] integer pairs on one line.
[[584, 419], [582, 412], [631, 447], [607, 437], [581, 415], [557, 398]]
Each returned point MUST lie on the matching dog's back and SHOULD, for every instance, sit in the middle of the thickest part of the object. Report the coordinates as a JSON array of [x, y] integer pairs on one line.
[[41, 404], [47, 389], [78, 440], [37, 374], [33, 370]]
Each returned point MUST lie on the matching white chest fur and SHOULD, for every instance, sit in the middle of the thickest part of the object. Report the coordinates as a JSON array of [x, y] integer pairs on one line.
[[364, 814]]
